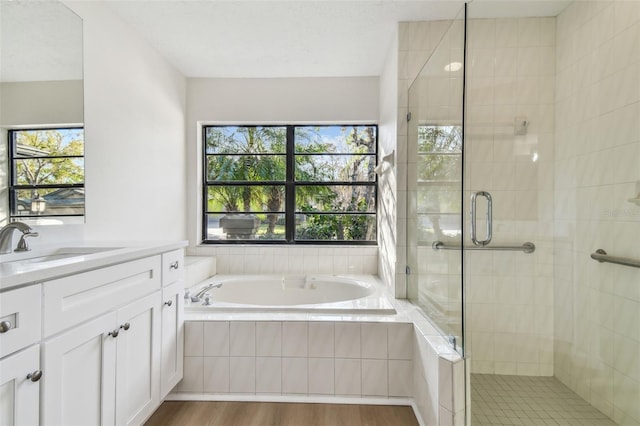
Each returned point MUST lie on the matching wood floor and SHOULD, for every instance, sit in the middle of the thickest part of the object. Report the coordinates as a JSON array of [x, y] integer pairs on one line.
[[206, 413]]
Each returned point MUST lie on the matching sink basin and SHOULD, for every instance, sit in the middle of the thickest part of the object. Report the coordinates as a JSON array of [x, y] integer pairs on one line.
[[41, 256]]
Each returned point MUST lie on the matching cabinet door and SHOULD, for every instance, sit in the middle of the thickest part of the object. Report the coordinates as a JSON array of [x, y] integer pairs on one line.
[[172, 267], [79, 374], [138, 360], [172, 337], [20, 396]]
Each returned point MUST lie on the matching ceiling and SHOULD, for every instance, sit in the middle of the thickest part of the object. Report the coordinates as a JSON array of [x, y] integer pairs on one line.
[[294, 38], [237, 38]]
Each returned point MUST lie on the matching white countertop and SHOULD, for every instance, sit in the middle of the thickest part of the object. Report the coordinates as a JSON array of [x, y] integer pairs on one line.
[[16, 273]]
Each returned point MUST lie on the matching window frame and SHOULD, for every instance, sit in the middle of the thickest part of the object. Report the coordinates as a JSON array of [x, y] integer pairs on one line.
[[13, 186], [290, 185]]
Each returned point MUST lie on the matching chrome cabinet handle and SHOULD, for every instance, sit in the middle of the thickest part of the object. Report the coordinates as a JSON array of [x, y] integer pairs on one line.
[[35, 376], [5, 326], [174, 265], [474, 235], [169, 303], [114, 333], [125, 326]]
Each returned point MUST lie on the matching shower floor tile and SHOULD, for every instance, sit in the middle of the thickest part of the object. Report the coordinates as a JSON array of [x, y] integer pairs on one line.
[[522, 400]]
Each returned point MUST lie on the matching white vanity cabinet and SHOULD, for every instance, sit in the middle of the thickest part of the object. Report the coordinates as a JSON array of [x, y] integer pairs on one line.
[[111, 343], [105, 371], [20, 330], [20, 388]]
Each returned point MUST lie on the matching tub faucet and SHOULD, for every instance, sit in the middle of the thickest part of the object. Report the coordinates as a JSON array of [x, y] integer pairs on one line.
[[6, 235], [202, 292]]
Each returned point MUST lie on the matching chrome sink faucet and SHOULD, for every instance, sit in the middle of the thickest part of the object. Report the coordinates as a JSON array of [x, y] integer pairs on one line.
[[6, 236]]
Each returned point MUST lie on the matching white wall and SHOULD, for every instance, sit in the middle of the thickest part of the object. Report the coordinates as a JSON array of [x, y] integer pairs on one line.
[[597, 169], [37, 103], [388, 257], [134, 129], [277, 100]]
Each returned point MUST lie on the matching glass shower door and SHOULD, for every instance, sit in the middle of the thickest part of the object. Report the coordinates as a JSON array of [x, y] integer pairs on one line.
[[434, 185]]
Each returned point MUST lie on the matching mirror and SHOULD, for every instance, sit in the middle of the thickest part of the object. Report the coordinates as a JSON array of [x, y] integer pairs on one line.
[[41, 74]]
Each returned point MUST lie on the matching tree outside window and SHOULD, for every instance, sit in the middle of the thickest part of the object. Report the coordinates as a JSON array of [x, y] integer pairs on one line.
[[47, 172], [289, 183]]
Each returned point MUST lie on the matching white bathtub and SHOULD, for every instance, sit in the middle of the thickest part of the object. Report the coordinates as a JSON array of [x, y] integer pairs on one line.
[[291, 293]]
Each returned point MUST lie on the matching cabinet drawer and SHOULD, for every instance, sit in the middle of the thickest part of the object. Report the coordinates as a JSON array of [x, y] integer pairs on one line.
[[20, 317], [77, 298], [172, 266]]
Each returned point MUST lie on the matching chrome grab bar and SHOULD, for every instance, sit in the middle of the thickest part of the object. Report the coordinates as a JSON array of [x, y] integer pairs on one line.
[[527, 247], [602, 256], [474, 236]]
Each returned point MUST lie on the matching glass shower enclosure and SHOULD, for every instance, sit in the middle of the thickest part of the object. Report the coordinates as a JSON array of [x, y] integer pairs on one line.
[[435, 169], [523, 155]]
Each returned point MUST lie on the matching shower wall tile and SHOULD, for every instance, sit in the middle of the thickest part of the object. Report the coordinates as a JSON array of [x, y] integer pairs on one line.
[[508, 314], [598, 152]]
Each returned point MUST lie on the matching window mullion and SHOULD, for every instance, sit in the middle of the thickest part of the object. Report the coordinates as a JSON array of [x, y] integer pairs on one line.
[[290, 189]]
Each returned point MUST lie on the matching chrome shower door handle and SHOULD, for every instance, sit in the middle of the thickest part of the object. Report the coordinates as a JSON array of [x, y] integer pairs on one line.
[[474, 233]]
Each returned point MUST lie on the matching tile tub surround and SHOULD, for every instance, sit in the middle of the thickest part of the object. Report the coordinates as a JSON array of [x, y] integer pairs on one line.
[[247, 259], [303, 358], [397, 359]]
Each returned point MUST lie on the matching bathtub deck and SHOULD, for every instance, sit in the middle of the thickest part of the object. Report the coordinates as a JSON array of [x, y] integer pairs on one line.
[[201, 413]]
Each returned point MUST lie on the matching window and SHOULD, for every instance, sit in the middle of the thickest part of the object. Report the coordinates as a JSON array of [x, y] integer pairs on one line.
[[46, 169], [289, 184], [439, 172]]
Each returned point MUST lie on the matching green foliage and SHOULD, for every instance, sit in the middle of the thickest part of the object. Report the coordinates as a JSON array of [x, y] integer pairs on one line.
[[435, 146], [41, 143], [439, 154], [253, 154]]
